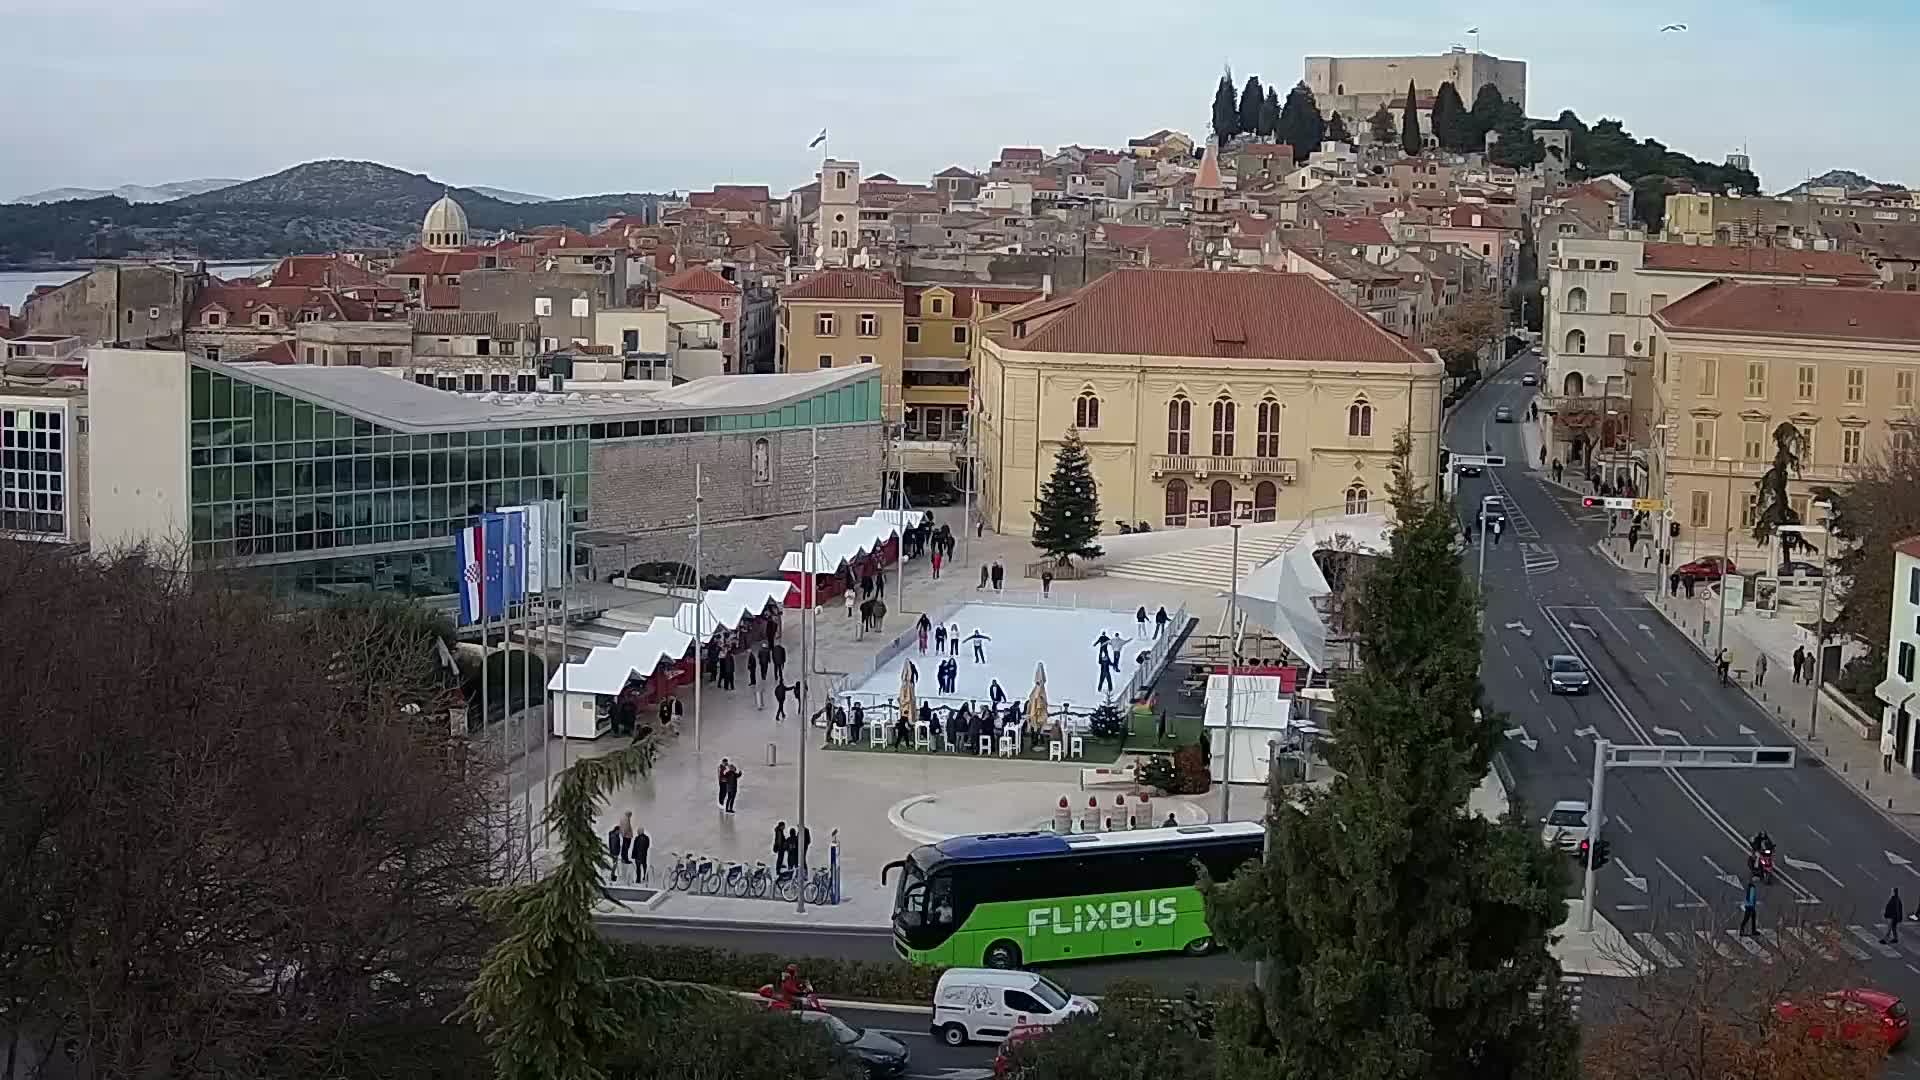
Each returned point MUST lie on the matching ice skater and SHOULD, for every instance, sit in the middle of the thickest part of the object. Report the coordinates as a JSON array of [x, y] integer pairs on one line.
[[953, 639], [925, 627], [1107, 664], [939, 639], [1160, 620], [979, 641], [1140, 620]]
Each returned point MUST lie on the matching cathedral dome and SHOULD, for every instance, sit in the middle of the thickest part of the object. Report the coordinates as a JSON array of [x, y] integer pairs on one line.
[[445, 226]]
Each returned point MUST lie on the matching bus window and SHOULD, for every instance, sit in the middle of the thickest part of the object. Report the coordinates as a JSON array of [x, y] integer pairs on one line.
[[910, 903], [941, 900]]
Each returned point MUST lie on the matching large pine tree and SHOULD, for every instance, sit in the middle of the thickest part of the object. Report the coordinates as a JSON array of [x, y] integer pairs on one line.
[[1449, 119], [1301, 125], [1384, 131], [1488, 110], [1252, 99], [1337, 130], [1066, 520], [1403, 936], [1226, 113], [1410, 141]]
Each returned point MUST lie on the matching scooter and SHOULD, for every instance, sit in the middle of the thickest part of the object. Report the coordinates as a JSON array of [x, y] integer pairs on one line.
[[774, 1001], [1761, 863]]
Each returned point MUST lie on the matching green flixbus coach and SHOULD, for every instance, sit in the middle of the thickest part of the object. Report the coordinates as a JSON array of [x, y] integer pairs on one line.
[[1004, 900]]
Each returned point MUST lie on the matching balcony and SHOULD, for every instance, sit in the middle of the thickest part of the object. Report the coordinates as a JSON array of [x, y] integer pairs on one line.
[[1286, 470]]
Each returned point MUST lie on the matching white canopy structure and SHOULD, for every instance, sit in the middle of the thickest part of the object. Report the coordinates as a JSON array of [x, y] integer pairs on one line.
[[850, 541], [1261, 715], [1280, 594], [607, 668]]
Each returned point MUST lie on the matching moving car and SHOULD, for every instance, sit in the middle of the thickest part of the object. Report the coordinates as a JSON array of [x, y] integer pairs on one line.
[[1469, 468], [1493, 509], [1861, 1013], [1529, 379], [1567, 675], [1565, 827], [1709, 568], [1503, 415], [1003, 1057], [988, 1004], [1798, 569], [880, 1055]]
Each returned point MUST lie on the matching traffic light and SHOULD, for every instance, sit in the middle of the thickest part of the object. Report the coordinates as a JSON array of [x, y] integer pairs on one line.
[[1601, 854], [1590, 502]]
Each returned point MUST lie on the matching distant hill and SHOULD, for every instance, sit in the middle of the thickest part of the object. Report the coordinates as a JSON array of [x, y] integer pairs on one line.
[[1840, 178], [315, 207], [511, 196], [133, 193]]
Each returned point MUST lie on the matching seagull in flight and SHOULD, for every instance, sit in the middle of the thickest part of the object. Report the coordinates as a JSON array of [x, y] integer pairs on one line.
[[1670, 27]]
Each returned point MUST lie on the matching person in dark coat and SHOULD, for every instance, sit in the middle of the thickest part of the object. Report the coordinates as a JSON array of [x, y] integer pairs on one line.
[[1893, 913], [617, 849], [637, 851], [779, 655], [1160, 621], [779, 846]]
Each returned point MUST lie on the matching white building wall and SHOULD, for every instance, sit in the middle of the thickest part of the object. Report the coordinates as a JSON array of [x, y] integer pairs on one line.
[[138, 490], [1903, 662]]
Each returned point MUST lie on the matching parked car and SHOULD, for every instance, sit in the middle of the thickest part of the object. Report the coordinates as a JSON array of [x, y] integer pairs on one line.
[[1708, 568], [1529, 379], [1503, 415], [1565, 826], [1861, 1013], [1567, 675], [987, 1004], [1798, 569], [879, 1055], [1003, 1057]]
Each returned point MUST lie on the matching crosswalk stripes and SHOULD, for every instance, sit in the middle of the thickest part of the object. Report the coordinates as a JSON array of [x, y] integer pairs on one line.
[[1652, 946], [1875, 943], [1753, 949], [1806, 940], [1539, 558], [1674, 948], [1208, 566]]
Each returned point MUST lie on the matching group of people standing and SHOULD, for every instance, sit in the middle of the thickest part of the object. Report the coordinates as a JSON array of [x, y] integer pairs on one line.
[[627, 845], [947, 641], [966, 723]]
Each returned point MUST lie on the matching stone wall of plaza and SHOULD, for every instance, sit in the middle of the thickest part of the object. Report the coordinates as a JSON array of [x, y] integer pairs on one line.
[[643, 491]]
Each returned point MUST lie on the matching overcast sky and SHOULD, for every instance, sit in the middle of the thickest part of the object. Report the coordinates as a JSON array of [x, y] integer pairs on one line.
[[568, 97]]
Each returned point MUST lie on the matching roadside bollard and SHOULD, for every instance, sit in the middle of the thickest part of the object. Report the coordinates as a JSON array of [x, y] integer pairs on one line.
[[1063, 817], [773, 754], [1090, 820]]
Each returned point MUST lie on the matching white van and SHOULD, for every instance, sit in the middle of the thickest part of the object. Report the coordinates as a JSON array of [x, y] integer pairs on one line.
[[985, 1005]]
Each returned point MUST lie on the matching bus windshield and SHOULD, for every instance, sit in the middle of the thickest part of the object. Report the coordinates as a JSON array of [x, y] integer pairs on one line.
[[910, 898]]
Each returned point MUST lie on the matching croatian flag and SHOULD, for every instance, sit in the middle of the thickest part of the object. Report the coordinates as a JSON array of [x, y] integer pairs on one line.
[[469, 557]]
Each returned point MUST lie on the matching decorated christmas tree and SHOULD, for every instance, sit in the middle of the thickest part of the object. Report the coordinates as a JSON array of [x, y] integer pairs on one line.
[[1067, 520]]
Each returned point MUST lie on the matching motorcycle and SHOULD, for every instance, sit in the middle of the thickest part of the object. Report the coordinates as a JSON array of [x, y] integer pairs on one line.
[[1761, 863], [774, 1001]]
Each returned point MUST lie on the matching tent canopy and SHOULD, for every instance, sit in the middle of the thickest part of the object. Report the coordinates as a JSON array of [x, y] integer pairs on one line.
[[851, 541], [1279, 595], [608, 667]]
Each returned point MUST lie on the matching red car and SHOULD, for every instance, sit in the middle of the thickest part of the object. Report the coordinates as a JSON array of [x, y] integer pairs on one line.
[[1710, 568], [1003, 1057], [1862, 1014]]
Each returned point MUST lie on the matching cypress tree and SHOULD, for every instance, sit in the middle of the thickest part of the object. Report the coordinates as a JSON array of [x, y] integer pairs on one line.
[[1449, 117], [1066, 520], [1404, 937], [1301, 126], [1270, 114], [1488, 108], [1226, 114], [1337, 129], [1382, 127], [1252, 99], [1410, 140]]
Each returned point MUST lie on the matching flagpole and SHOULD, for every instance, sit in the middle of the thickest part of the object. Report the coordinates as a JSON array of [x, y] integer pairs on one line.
[[526, 706], [699, 609], [811, 627], [546, 698]]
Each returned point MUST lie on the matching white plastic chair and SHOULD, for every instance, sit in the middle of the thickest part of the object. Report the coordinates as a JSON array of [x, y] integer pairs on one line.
[[922, 735], [949, 740], [1009, 744], [837, 735], [876, 735], [1077, 747], [1053, 750], [986, 746]]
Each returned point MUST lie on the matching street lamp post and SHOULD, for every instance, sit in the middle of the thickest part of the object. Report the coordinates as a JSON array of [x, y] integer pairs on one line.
[[1820, 628], [1726, 554], [1485, 501], [1233, 665]]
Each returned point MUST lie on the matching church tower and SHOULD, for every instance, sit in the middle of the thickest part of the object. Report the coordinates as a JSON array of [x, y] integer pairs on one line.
[[1209, 222]]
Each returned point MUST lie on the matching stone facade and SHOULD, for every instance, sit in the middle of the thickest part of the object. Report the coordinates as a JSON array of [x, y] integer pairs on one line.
[[139, 306], [642, 495]]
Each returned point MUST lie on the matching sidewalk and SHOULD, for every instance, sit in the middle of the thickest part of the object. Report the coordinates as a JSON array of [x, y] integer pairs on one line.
[[1854, 759]]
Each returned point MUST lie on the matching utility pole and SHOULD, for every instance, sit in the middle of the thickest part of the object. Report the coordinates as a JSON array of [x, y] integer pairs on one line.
[[699, 607], [810, 634], [1233, 665]]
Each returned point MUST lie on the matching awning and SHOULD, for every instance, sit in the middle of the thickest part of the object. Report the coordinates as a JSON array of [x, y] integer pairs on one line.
[[1894, 690]]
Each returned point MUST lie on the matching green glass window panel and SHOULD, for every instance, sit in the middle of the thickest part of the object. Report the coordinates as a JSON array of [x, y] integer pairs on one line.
[[383, 470], [437, 504], [549, 458], [457, 438], [578, 453], [323, 475], [202, 523], [222, 388], [436, 467], [303, 477], [283, 478], [262, 402], [283, 409], [283, 451], [510, 464], [303, 419], [202, 487], [200, 433], [201, 457], [222, 483], [362, 429], [223, 523], [303, 451], [200, 393], [382, 508], [222, 456], [243, 482]]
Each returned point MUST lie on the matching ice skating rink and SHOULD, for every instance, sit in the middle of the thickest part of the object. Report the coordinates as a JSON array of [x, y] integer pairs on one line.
[[1061, 638]]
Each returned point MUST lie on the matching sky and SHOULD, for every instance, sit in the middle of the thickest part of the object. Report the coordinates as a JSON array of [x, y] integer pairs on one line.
[[574, 97]]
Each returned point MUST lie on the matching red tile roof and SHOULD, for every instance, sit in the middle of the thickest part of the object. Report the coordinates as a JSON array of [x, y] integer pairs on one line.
[[1167, 245], [1102, 157], [1818, 312], [1909, 547], [435, 263], [1847, 268], [280, 352], [1356, 230], [1267, 149], [954, 171], [1461, 216], [724, 200], [1205, 313], [322, 271], [756, 192], [699, 279], [1021, 153], [845, 285], [241, 302], [441, 297]]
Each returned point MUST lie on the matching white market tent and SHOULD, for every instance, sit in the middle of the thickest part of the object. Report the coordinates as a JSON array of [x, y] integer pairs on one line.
[[1280, 594], [850, 541], [1261, 715], [607, 668]]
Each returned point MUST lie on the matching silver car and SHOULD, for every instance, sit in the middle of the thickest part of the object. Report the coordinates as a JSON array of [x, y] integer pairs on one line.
[[1567, 675]]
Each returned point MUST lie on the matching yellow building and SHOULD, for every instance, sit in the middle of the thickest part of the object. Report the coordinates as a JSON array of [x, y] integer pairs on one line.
[[839, 318], [1735, 360], [942, 336], [1202, 396]]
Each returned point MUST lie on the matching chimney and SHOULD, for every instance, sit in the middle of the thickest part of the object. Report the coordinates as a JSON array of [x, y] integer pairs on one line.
[[1046, 286]]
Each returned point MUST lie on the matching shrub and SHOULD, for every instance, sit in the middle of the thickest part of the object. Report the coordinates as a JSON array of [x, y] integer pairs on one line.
[[832, 977], [1190, 776], [1155, 771]]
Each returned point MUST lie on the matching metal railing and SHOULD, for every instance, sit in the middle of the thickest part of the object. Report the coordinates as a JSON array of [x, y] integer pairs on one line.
[[1287, 469]]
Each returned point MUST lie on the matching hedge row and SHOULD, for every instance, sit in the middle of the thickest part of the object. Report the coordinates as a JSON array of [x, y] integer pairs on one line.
[[832, 977]]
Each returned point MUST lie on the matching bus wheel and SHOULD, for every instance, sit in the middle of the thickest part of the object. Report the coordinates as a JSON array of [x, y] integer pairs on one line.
[[1199, 946], [1004, 955], [953, 1035]]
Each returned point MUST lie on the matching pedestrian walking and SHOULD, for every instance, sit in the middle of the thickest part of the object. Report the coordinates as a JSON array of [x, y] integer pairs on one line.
[[979, 641], [937, 557], [925, 627], [999, 575], [953, 639], [1046, 583], [679, 714], [1499, 526], [732, 786], [1760, 670], [1140, 620], [720, 792], [779, 701], [1750, 908], [779, 653], [779, 847], [1894, 912], [984, 571], [1558, 469], [637, 849], [617, 849], [849, 595], [1160, 621], [753, 668], [979, 527], [939, 640], [1799, 661], [1724, 662]]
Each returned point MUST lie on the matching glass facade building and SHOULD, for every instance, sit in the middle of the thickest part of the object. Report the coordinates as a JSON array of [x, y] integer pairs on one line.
[[324, 501], [34, 466]]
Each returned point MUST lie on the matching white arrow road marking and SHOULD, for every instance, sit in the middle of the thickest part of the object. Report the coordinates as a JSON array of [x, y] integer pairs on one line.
[[1637, 882], [1708, 732], [1749, 733], [1522, 627], [1722, 874], [1698, 900], [1902, 863], [1647, 629], [1815, 867], [1583, 626], [1586, 732], [1669, 733], [1684, 705], [1778, 801], [1525, 740]]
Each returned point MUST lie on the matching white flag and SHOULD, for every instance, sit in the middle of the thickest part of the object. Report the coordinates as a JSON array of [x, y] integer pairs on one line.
[[818, 139]]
